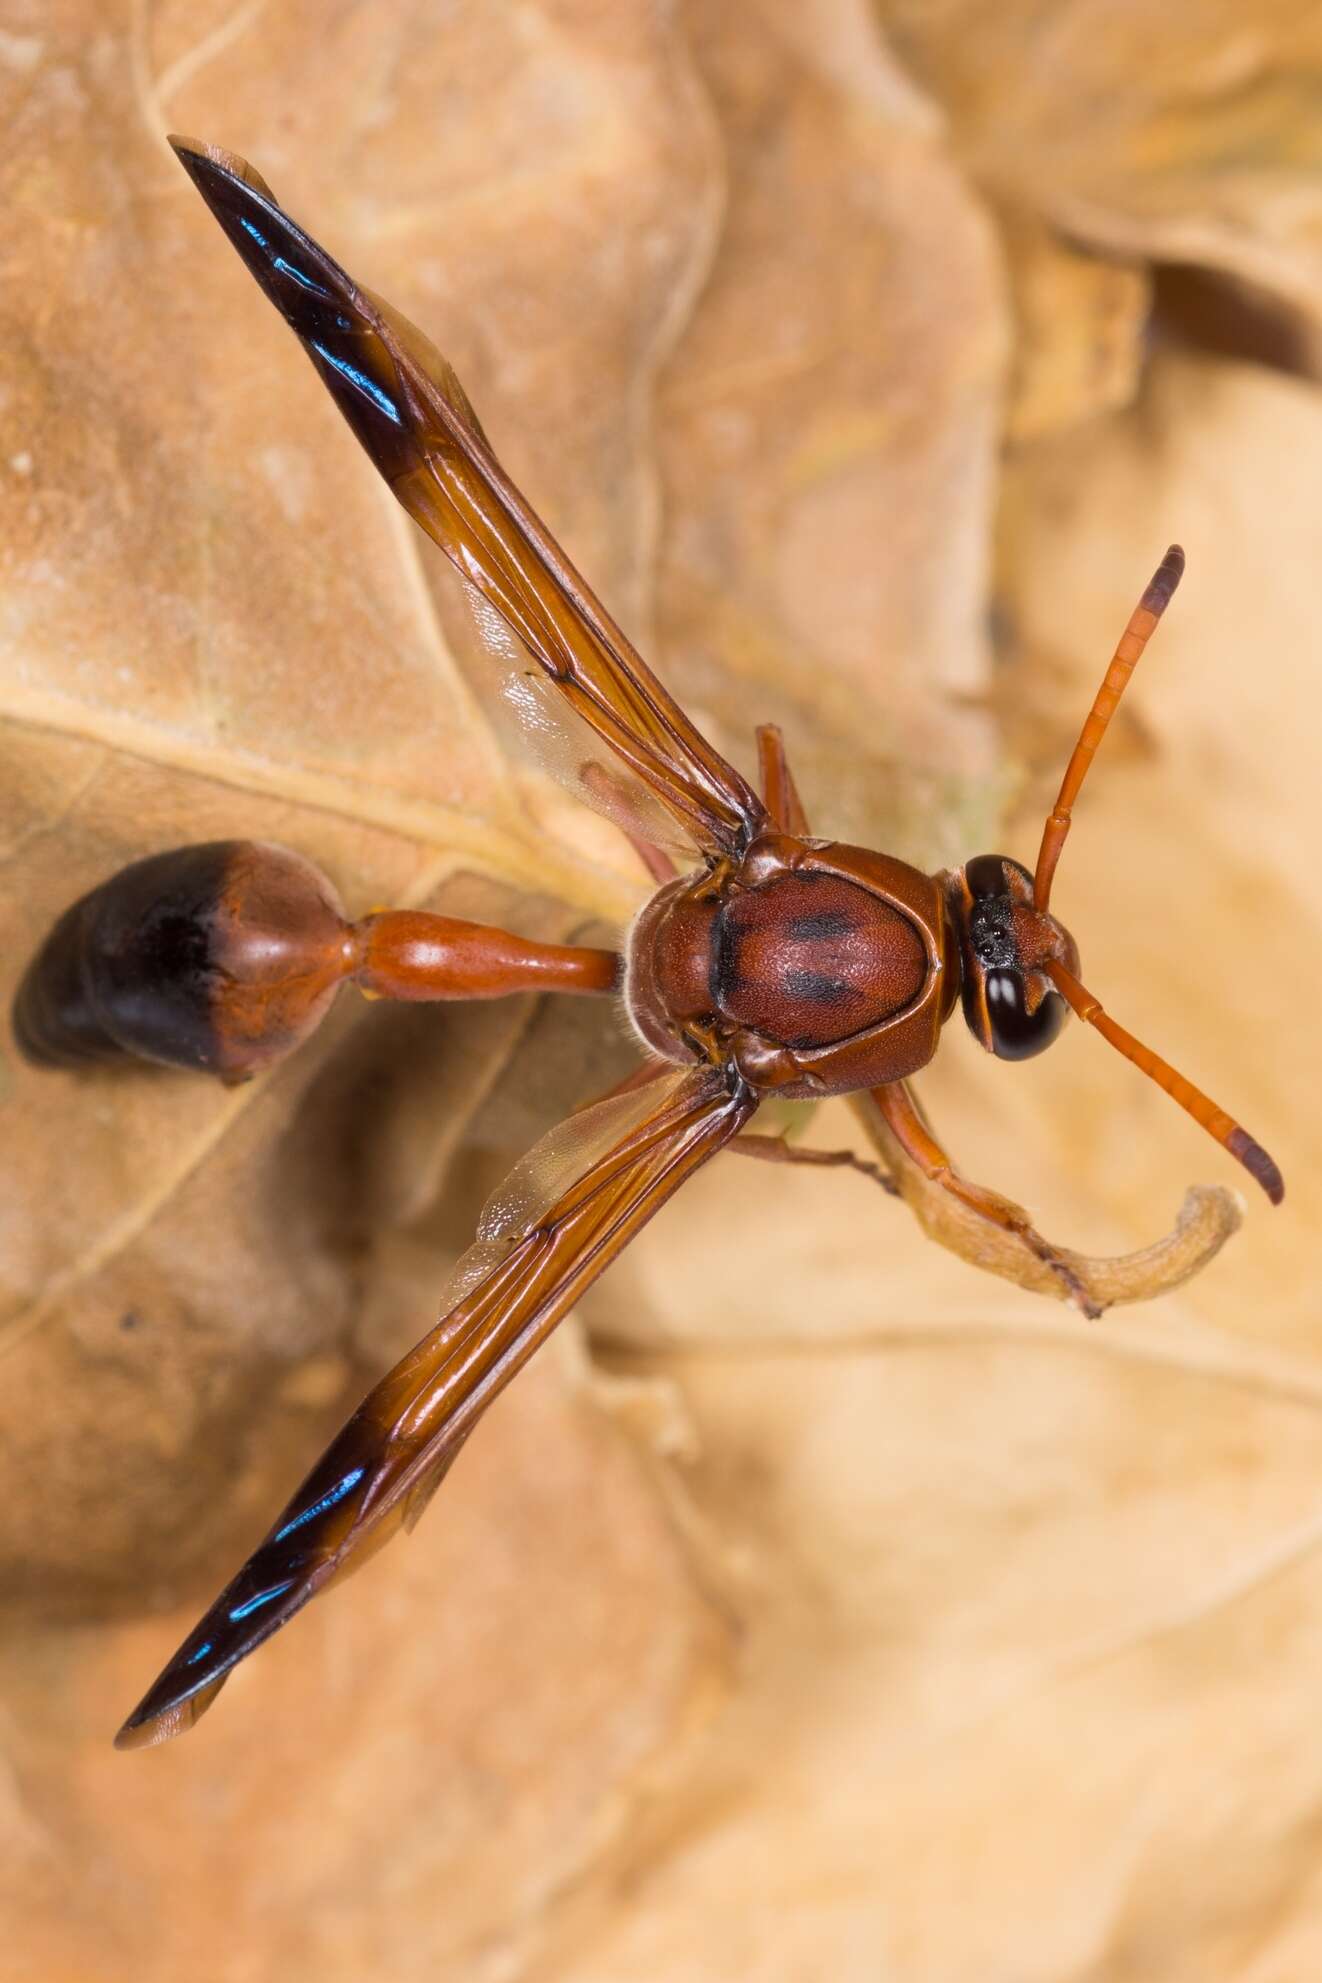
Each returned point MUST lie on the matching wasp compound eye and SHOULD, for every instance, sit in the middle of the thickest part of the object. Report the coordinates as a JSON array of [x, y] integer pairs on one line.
[[1017, 1028]]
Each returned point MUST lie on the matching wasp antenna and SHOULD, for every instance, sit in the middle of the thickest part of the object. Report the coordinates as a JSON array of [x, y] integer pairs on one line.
[[1133, 640], [1214, 1120]]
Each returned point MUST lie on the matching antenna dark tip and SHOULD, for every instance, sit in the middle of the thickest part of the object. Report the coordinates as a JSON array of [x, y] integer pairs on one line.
[[1163, 582], [1257, 1163]]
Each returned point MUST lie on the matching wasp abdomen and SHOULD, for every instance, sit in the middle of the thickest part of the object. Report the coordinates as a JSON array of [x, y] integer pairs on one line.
[[218, 957]]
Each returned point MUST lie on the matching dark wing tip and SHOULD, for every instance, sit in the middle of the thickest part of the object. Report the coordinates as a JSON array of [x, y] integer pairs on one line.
[[1164, 581], [301, 1554], [208, 165], [238, 198], [148, 1725], [307, 286], [205, 164], [1257, 1163]]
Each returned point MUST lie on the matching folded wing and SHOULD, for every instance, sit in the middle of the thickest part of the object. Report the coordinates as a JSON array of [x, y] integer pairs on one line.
[[560, 1218], [411, 414]]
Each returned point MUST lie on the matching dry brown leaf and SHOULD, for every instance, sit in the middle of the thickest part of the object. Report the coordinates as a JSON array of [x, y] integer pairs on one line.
[[1032, 1609], [1190, 138], [841, 388], [1080, 328], [215, 624], [990, 1602]]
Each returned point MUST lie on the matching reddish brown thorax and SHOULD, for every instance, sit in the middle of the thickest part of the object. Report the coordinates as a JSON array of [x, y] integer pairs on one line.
[[812, 967]]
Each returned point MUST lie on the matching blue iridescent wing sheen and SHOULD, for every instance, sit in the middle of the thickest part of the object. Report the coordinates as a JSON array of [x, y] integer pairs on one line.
[[409, 411], [558, 1221]]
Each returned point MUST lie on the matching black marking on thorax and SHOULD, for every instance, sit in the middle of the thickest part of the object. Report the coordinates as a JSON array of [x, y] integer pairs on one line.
[[822, 926], [815, 986]]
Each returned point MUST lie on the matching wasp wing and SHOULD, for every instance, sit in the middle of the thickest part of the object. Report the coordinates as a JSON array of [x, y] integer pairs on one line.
[[411, 414], [560, 1218]]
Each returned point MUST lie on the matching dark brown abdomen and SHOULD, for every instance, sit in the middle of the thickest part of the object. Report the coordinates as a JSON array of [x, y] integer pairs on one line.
[[218, 957]]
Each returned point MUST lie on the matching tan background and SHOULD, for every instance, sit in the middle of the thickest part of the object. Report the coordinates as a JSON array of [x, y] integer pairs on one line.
[[815, 1607]]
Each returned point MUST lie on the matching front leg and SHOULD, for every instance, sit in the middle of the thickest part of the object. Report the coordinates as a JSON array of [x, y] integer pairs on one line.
[[901, 1114]]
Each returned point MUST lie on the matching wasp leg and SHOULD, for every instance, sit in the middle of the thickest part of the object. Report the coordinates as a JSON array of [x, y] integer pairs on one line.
[[612, 795], [779, 792], [775, 1150], [901, 1114]]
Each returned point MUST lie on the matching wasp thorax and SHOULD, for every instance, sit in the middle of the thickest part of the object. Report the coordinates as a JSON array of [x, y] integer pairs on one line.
[[1009, 1001]]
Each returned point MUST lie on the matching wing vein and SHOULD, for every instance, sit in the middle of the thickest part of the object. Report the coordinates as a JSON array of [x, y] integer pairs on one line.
[[383, 1466]]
